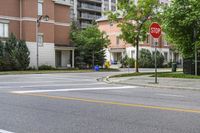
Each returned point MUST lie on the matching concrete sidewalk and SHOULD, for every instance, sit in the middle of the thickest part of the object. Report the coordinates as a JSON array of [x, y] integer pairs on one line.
[[147, 81]]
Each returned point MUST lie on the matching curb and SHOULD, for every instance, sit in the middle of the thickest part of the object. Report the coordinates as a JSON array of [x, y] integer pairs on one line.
[[107, 80]]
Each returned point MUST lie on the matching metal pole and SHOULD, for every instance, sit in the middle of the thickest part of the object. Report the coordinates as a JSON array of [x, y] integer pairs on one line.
[[195, 52], [93, 60], [196, 59], [156, 80], [37, 48]]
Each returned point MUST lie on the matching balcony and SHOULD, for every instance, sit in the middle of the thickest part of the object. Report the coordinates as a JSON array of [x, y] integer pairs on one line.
[[92, 1], [89, 7], [89, 16], [62, 2]]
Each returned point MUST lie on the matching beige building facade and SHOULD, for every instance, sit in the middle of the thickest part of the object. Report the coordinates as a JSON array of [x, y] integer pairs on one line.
[[119, 49], [20, 18]]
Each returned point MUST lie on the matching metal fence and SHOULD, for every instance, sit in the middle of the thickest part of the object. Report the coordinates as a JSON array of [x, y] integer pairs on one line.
[[189, 66]]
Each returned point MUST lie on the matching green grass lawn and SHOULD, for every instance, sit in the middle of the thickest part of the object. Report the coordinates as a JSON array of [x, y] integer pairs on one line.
[[160, 74], [54, 71], [130, 74], [177, 75]]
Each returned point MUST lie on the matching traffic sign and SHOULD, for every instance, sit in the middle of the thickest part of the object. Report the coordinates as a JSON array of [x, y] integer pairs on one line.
[[155, 30]]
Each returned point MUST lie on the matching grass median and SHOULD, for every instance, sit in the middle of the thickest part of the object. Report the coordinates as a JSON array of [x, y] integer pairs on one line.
[[54, 71], [160, 74]]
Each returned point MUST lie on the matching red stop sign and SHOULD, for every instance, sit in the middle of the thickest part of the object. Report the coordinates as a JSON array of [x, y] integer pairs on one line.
[[155, 30]]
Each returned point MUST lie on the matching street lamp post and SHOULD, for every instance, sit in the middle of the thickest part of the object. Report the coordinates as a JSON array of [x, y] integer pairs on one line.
[[195, 49], [45, 18]]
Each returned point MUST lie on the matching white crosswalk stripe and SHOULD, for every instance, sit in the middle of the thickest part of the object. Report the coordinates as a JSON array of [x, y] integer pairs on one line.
[[76, 89]]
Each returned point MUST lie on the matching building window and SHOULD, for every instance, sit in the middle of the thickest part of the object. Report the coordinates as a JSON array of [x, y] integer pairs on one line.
[[113, 8], [4, 30], [40, 39], [40, 7]]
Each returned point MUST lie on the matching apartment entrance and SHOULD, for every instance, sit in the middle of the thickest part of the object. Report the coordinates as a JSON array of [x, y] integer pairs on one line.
[[117, 57], [64, 57], [58, 58]]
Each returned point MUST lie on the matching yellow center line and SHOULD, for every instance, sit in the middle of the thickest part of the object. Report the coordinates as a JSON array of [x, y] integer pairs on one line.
[[115, 103]]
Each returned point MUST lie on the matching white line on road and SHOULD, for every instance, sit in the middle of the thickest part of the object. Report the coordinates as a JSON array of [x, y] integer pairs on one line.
[[4, 131], [45, 85], [169, 95], [76, 89], [37, 82]]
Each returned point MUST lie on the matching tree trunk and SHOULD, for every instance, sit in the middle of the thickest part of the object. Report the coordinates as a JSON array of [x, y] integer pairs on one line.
[[137, 56]]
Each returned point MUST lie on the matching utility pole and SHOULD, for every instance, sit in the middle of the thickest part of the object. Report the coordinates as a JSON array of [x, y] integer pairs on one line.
[[195, 49]]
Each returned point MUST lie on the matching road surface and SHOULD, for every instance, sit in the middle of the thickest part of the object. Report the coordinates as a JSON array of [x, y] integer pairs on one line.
[[78, 103]]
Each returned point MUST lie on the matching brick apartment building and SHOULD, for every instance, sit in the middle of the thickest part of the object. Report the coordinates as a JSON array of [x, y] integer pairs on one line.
[[20, 17], [118, 48]]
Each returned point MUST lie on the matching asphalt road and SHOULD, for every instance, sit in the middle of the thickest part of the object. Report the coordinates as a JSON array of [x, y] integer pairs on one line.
[[77, 103]]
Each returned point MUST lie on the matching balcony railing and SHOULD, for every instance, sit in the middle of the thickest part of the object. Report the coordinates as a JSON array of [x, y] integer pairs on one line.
[[89, 16], [90, 7]]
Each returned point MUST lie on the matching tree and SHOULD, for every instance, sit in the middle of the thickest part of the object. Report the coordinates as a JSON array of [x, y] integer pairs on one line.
[[9, 57], [22, 55], [90, 46], [133, 21], [1, 55], [14, 54], [181, 23]]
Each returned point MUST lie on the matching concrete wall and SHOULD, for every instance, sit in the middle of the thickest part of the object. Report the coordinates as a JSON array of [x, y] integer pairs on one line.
[[46, 54]]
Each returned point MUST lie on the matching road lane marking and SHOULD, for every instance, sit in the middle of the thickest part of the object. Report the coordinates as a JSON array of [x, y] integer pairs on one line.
[[169, 95], [75, 89], [114, 103], [4, 131], [28, 86]]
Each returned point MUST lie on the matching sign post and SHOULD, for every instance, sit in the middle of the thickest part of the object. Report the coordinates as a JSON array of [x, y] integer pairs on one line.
[[155, 31]]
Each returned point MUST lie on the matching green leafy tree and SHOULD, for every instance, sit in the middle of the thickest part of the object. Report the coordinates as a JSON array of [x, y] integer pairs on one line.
[[90, 46], [133, 20], [181, 23]]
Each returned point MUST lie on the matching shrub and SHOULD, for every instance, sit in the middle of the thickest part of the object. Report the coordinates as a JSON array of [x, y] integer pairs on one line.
[[160, 59], [107, 64], [14, 54], [46, 67], [124, 61], [145, 59], [127, 62], [22, 55], [131, 62]]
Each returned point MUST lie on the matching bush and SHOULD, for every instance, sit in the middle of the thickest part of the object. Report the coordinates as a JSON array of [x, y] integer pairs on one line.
[[124, 61], [145, 59], [107, 64], [14, 54], [160, 59], [131, 62], [46, 67], [127, 62]]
